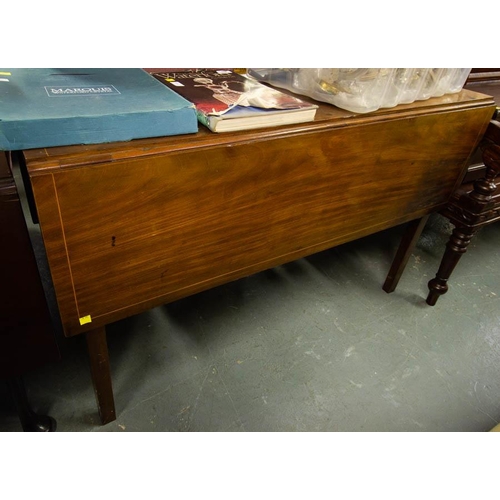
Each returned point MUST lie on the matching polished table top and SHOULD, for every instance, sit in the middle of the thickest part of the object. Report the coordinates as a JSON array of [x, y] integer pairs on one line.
[[327, 117]]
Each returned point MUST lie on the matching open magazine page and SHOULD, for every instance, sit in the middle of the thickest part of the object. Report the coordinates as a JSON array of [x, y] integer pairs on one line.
[[260, 96]]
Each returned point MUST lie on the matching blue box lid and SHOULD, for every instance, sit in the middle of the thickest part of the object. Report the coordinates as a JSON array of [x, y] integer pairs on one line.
[[59, 107]]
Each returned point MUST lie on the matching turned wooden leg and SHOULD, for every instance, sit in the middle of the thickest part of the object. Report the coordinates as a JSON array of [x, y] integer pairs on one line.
[[455, 248], [30, 421], [408, 241], [101, 374]]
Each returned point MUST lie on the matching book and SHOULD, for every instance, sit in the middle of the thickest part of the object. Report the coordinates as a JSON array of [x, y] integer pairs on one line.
[[228, 101], [59, 107]]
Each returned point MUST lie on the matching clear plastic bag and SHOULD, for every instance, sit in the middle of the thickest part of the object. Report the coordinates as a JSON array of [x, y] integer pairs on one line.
[[363, 90]]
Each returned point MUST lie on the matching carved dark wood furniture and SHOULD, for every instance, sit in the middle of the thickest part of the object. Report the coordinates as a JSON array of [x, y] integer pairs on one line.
[[130, 226], [472, 206], [27, 340]]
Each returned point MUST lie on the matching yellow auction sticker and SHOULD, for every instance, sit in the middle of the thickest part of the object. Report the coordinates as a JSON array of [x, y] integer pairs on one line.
[[85, 319]]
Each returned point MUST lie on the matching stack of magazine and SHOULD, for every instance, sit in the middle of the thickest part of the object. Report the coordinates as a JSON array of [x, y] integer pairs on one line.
[[228, 101]]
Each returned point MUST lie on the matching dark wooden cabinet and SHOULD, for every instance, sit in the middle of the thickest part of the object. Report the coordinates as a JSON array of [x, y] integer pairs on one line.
[[486, 81], [27, 340]]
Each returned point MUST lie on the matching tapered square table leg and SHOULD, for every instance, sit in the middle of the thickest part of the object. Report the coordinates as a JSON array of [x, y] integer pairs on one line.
[[101, 373], [408, 242]]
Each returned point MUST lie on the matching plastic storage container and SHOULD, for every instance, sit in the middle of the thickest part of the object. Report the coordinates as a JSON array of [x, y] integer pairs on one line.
[[363, 90]]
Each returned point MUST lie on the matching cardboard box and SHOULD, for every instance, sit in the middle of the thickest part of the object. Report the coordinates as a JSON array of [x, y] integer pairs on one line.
[[59, 107]]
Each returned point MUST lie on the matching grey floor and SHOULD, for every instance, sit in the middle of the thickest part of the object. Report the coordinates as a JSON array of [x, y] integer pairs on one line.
[[315, 345]]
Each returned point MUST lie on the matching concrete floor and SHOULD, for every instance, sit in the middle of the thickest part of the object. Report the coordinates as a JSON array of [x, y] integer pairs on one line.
[[315, 345]]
